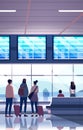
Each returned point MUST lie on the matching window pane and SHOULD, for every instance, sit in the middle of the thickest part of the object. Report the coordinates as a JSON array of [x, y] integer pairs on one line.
[[41, 69], [62, 69], [79, 85], [63, 83], [3, 84], [5, 69], [21, 69], [78, 69]]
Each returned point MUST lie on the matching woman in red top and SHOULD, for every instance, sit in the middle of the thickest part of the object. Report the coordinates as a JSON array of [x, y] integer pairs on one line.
[[60, 94]]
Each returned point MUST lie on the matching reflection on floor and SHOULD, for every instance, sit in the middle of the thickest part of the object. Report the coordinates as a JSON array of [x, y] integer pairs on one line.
[[47, 122]]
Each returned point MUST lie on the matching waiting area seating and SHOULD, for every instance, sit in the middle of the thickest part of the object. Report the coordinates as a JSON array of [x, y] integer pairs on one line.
[[66, 106]]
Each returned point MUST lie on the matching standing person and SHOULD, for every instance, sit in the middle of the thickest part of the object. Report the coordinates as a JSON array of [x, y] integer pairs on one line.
[[34, 99], [9, 98], [72, 89], [23, 98]]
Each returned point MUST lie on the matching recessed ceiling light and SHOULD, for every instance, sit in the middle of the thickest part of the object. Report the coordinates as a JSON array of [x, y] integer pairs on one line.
[[70, 11], [6, 11]]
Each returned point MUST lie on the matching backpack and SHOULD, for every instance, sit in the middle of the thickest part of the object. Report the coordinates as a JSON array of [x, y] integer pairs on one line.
[[21, 91]]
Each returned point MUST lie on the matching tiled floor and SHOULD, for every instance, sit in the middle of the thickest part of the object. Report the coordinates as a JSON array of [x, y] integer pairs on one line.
[[47, 122]]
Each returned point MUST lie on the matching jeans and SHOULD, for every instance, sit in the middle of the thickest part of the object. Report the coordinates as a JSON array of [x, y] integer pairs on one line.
[[8, 104], [32, 106], [72, 95], [23, 100]]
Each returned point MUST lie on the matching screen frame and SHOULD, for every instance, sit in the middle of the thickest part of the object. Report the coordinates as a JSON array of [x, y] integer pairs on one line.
[[65, 60], [34, 59], [2, 60]]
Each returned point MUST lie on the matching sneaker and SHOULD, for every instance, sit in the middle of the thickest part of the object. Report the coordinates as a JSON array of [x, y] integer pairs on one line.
[[10, 116], [20, 115], [32, 115], [6, 116], [25, 115], [36, 115]]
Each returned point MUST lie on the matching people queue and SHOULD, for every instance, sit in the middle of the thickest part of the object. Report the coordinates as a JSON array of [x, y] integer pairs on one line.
[[24, 92]]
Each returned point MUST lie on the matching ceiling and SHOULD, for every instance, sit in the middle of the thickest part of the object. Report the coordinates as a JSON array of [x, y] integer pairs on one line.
[[41, 17]]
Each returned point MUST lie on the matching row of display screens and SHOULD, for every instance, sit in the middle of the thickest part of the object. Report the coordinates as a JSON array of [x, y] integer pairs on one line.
[[34, 47]]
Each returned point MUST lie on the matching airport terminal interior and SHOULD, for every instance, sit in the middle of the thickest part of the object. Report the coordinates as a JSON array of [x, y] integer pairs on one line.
[[42, 40]]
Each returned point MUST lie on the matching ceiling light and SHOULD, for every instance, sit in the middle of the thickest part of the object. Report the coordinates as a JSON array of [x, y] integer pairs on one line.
[[70, 11], [7, 11]]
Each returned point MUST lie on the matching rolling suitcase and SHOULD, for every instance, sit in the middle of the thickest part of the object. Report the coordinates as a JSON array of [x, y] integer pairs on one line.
[[40, 110], [16, 109]]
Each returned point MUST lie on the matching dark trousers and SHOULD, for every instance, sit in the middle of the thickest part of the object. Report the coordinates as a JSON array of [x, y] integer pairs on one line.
[[72, 95], [8, 106], [23, 100], [32, 106]]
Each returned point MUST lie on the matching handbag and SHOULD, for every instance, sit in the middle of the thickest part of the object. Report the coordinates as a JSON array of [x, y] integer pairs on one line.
[[31, 94]]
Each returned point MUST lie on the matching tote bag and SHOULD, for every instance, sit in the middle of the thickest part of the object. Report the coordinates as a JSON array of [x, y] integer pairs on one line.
[[31, 94]]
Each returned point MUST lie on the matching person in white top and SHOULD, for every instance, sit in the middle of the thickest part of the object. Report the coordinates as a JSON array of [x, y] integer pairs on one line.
[[72, 89]]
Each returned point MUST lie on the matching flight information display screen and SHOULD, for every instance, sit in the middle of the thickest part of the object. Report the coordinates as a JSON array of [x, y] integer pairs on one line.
[[68, 47], [4, 47], [31, 47]]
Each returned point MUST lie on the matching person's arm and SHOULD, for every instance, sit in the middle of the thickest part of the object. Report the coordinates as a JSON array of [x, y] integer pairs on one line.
[[12, 90]]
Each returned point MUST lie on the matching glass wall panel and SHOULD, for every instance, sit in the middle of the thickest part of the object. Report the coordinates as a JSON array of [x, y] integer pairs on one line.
[[41, 69], [21, 69], [79, 85], [78, 79], [5, 69], [63, 83], [78, 69], [62, 76], [3, 84], [62, 69], [5, 74]]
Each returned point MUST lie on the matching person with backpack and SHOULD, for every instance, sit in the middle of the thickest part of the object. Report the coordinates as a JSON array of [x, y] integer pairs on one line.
[[23, 97]]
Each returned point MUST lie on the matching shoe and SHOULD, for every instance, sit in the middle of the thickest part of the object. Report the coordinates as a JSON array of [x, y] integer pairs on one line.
[[36, 115], [6, 116], [20, 115], [32, 115], [10, 116], [25, 115]]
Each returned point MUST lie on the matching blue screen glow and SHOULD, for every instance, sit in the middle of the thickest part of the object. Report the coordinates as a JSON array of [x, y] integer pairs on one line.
[[4, 47], [68, 47], [31, 47]]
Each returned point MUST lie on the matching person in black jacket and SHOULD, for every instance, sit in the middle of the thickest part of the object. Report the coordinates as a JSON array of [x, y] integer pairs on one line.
[[23, 98]]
